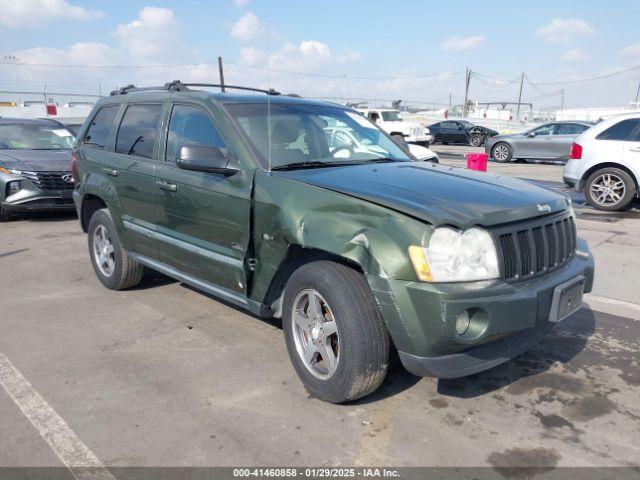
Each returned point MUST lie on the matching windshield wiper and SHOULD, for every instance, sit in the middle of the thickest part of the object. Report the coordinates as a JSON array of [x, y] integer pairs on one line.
[[317, 164], [309, 164]]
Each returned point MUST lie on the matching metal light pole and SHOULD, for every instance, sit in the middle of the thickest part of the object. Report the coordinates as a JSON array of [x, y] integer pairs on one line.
[[12, 59]]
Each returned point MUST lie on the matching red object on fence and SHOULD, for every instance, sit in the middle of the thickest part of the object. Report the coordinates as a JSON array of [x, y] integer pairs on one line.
[[52, 109], [477, 161]]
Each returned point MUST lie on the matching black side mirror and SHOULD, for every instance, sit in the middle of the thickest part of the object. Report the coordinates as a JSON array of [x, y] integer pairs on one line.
[[205, 158]]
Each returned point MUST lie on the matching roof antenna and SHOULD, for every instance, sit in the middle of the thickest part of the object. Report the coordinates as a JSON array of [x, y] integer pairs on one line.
[[269, 90]]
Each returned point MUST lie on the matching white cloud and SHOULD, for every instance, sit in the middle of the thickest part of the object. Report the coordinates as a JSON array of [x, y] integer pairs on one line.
[[575, 55], [154, 33], [248, 27], [313, 48], [564, 30], [15, 13], [252, 56], [631, 50], [349, 55], [462, 43], [241, 3]]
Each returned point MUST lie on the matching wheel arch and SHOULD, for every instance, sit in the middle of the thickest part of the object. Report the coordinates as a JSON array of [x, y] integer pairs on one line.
[[600, 166], [90, 205], [295, 257]]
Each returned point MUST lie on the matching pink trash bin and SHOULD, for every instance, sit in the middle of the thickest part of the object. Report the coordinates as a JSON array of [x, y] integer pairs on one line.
[[477, 161]]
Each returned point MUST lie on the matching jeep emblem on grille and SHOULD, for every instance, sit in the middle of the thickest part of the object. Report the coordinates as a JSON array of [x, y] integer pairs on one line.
[[67, 178], [544, 208]]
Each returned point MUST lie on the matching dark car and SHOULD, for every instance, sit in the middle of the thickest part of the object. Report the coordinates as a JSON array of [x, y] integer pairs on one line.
[[35, 166], [244, 197], [461, 132]]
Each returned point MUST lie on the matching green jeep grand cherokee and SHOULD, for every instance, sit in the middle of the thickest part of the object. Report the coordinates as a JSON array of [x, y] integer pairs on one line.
[[240, 196]]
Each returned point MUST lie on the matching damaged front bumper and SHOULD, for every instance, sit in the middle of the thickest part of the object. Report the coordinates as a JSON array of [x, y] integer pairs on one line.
[[506, 318]]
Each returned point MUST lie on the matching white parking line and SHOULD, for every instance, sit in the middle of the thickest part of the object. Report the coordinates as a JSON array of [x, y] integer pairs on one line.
[[614, 301], [72, 452]]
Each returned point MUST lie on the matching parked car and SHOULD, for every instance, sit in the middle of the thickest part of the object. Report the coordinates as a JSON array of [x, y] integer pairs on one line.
[[344, 141], [604, 163], [461, 131], [391, 122], [35, 166], [549, 141], [241, 196]]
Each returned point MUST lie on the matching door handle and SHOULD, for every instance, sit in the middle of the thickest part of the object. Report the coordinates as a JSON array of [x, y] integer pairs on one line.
[[170, 187], [110, 171]]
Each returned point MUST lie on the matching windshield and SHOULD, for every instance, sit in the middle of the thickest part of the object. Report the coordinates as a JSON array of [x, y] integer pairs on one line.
[[392, 116], [25, 136], [315, 134]]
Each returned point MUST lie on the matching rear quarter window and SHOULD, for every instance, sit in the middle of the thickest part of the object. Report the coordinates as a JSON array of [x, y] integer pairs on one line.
[[98, 131], [620, 131]]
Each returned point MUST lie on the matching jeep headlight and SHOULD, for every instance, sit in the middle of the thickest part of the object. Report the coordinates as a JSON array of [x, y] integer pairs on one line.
[[455, 256], [427, 131]]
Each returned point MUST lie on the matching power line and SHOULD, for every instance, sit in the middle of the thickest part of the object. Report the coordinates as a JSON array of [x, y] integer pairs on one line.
[[590, 79]]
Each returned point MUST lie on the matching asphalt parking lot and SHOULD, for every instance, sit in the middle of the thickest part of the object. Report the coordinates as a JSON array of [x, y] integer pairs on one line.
[[163, 375]]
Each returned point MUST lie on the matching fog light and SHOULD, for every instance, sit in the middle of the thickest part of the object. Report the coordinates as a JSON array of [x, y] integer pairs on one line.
[[462, 322], [14, 187]]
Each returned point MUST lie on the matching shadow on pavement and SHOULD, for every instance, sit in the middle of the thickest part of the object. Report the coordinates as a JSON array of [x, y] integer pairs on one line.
[[561, 345]]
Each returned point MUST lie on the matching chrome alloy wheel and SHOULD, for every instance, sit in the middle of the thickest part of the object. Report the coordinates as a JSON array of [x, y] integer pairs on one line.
[[607, 190], [315, 334], [501, 152], [103, 251]]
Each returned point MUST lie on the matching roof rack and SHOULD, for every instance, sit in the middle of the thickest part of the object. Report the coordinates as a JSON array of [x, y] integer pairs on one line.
[[271, 91], [177, 86]]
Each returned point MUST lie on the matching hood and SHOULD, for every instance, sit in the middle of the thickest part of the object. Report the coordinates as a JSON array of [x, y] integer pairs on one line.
[[506, 136], [36, 160], [403, 125], [438, 194]]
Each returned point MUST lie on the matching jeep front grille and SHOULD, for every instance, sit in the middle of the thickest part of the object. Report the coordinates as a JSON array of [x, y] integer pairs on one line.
[[534, 248], [49, 180]]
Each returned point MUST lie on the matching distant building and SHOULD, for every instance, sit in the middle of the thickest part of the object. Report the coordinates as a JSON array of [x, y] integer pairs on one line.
[[595, 113]]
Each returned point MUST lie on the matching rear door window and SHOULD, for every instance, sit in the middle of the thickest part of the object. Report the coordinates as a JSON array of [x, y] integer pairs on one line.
[[98, 132], [570, 129], [138, 130], [620, 131]]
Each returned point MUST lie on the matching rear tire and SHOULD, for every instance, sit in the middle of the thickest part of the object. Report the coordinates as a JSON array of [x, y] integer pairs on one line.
[[4, 215], [359, 348], [609, 189], [502, 152], [110, 261]]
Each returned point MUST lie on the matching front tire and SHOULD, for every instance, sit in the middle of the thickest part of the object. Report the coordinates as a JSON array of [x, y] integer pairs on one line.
[[334, 332], [609, 189], [112, 264], [502, 152], [476, 141]]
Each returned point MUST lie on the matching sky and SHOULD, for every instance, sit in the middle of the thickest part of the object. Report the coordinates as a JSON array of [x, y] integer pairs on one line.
[[415, 50]]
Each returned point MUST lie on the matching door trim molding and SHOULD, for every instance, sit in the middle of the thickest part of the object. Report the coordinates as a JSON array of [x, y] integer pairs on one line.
[[224, 293], [153, 234]]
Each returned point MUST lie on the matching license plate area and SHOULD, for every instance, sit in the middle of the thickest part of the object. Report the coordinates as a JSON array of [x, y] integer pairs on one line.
[[567, 299]]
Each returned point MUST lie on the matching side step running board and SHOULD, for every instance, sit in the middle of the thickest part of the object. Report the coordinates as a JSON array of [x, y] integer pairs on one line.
[[215, 290]]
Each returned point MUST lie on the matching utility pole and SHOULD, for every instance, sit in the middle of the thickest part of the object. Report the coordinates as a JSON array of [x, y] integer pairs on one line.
[[221, 74], [450, 101], [638, 92], [520, 96], [562, 101], [467, 80]]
